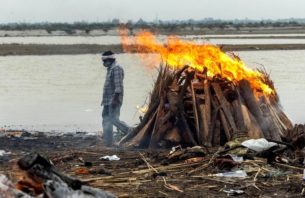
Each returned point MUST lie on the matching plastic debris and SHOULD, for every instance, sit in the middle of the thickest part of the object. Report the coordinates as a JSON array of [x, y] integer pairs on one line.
[[258, 145], [174, 149], [277, 173], [110, 158], [237, 158], [237, 173], [3, 152], [232, 192]]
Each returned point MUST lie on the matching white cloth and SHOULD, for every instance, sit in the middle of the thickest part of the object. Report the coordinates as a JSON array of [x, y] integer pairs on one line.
[[258, 145]]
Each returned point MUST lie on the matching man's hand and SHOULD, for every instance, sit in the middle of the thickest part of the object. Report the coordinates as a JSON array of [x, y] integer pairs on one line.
[[115, 100]]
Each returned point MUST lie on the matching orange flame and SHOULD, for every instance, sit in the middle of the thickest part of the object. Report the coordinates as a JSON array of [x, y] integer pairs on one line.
[[177, 53]]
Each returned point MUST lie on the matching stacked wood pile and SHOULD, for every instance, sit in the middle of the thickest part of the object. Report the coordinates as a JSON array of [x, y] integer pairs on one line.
[[295, 132], [189, 108], [296, 136]]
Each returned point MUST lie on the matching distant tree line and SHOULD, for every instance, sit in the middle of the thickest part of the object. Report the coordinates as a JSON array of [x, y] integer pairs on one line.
[[173, 25], [67, 27]]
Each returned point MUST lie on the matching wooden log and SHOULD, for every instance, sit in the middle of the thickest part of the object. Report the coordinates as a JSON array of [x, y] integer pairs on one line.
[[216, 138], [205, 115], [250, 99], [255, 130], [143, 135], [274, 128], [152, 109], [179, 73], [201, 76], [176, 109], [174, 86], [163, 83], [239, 119], [283, 117], [252, 127], [283, 121], [145, 119], [198, 86], [183, 123], [173, 135], [225, 124], [127, 137], [216, 109], [195, 111], [189, 76], [225, 107], [173, 101], [187, 129], [274, 123], [204, 131], [160, 134], [253, 106], [159, 123], [213, 124], [207, 111], [207, 102]]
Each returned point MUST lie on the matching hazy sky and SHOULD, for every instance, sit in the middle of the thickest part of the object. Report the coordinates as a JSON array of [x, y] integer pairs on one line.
[[102, 10]]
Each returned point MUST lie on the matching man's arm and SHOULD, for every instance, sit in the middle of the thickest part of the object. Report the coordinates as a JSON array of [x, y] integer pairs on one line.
[[118, 76]]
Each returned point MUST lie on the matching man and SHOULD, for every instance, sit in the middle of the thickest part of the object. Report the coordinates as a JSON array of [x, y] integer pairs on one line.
[[112, 97]]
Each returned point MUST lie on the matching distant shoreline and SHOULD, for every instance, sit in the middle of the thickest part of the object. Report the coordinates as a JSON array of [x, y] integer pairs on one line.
[[180, 30], [45, 49], [210, 33]]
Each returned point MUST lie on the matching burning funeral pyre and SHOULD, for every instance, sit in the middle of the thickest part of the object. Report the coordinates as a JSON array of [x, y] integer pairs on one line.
[[204, 96]]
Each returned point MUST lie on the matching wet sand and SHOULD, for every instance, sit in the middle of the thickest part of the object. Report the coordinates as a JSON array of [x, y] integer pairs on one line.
[[42, 49]]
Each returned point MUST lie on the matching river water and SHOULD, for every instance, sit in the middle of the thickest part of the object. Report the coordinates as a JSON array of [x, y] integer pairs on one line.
[[63, 92], [107, 40]]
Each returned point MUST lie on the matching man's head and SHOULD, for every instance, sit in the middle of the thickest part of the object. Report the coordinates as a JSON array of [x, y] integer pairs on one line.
[[108, 58]]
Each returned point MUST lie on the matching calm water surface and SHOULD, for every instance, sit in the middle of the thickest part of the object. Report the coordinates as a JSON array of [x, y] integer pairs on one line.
[[107, 40], [63, 92]]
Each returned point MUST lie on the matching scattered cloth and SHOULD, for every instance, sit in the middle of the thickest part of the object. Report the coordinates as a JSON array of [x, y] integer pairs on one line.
[[258, 145], [110, 158], [3, 152], [227, 162], [237, 158], [232, 192], [237, 173]]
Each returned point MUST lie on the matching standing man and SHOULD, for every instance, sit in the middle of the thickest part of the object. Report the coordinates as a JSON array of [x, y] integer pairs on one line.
[[112, 97]]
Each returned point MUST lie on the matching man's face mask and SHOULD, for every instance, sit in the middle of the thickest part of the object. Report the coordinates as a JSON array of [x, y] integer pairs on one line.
[[107, 62]]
